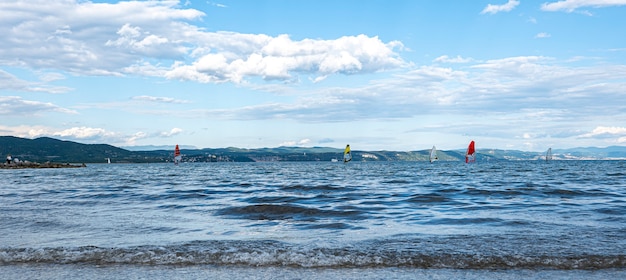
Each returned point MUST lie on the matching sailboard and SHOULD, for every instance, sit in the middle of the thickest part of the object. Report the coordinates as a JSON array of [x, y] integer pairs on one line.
[[470, 155], [549, 154], [177, 156], [347, 154], [433, 154]]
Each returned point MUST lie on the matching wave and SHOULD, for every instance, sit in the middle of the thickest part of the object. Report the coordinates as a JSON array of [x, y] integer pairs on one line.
[[286, 212], [274, 253]]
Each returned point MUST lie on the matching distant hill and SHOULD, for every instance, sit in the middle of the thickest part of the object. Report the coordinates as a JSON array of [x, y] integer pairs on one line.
[[612, 152], [155, 147], [46, 149]]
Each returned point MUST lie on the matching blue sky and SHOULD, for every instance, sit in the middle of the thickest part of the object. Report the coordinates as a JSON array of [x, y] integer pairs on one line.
[[378, 75]]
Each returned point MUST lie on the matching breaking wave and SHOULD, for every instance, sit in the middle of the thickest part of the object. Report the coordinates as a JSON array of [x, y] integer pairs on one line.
[[274, 253]]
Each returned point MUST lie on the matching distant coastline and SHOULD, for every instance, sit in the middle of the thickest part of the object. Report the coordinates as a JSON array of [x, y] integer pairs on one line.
[[24, 165], [58, 152]]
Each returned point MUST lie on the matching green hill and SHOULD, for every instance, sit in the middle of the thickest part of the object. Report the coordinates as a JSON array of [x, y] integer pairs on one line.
[[46, 149]]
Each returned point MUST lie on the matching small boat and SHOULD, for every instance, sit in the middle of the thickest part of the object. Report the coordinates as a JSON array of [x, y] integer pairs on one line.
[[109, 160], [470, 155], [433, 154], [549, 154], [177, 156], [347, 154]]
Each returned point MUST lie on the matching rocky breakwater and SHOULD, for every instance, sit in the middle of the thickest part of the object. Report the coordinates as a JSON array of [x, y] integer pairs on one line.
[[22, 165]]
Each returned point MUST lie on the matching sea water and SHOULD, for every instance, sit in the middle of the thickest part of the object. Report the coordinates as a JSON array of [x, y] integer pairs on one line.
[[316, 220]]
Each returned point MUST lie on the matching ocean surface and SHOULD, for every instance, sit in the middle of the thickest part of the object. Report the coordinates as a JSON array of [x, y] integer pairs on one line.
[[316, 220]]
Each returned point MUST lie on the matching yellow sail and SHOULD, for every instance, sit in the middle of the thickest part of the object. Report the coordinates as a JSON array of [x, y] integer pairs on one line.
[[347, 155]]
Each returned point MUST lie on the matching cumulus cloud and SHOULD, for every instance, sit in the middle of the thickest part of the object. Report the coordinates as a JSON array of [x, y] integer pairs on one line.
[[157, 38], [280, 58], [493, 9], [80, 134], [83, 133], [75, 34], [571, 5], [18, 107]]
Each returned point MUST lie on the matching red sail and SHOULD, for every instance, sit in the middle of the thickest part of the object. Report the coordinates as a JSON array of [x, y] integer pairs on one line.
[[176, 151], [469, 155]]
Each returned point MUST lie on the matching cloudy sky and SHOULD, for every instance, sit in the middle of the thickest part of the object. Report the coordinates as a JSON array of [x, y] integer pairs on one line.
[[392, 75]]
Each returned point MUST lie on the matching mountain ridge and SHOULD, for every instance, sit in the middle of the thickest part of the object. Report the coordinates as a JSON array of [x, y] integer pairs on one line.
[[47, 149]]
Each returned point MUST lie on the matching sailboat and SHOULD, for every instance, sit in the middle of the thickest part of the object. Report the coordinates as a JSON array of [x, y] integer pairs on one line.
[[177, 156], [470, 155], [433, 155], [549, 154], [347, 155], [109, 160]]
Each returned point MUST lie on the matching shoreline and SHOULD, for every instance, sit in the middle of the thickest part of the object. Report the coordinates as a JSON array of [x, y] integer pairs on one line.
[[116, 271], [25, 165]]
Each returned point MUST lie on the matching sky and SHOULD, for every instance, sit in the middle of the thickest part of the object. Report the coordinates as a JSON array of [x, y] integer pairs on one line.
[[378, 75]]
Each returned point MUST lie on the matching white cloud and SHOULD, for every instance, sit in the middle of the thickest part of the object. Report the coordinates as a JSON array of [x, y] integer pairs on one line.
[[542, 35], [172, 132], [219, 5], [135, 41], [605, 131], [80, 134], [457, 59], [301, 142], [157, 38], [158, 99], [50, 77], [11, 82], [15, 106], [544, 89], [137, 136], [73, 33], [25, 131], [281, 58], [571, 5], [493, 9], [83, 133]]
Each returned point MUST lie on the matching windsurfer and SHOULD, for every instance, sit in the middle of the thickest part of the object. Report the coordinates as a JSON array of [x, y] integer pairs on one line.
[[347, 154]]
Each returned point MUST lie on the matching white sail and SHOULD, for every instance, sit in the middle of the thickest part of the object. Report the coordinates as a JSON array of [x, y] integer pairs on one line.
[[549, 154], [433, 154]]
